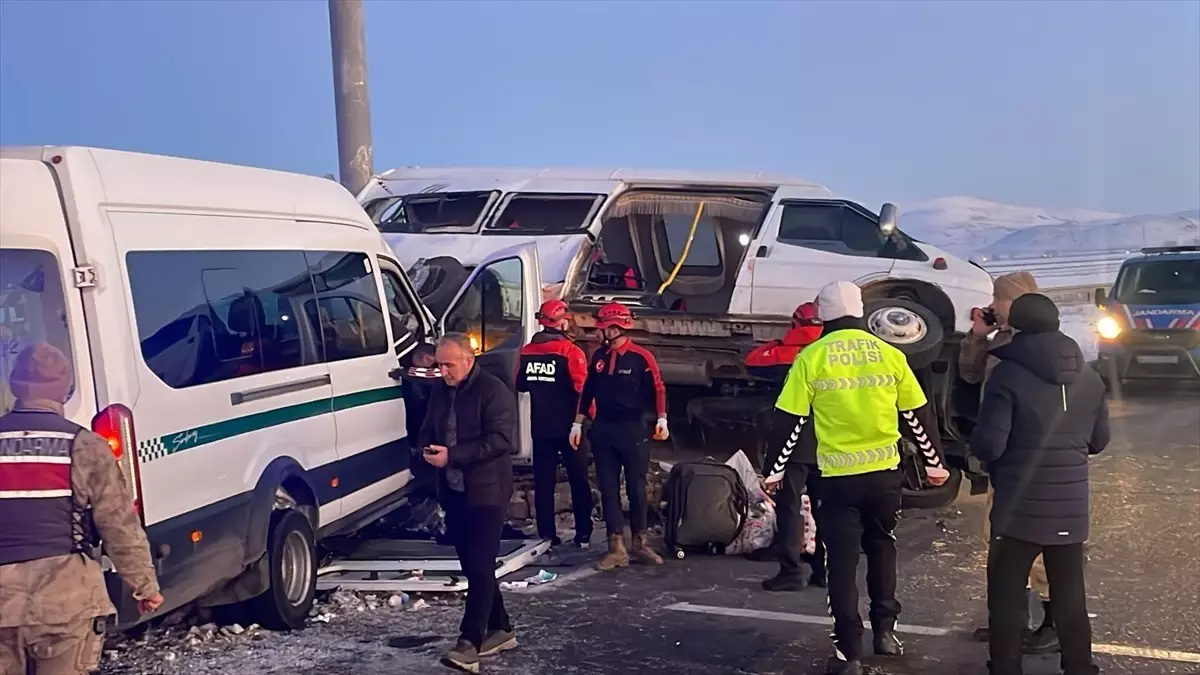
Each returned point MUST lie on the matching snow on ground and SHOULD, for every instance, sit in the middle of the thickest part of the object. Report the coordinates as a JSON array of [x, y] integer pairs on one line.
[[974, 227], [1079, 322]]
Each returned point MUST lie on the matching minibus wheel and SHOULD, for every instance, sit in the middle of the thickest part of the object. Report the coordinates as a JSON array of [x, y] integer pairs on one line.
[[292, 565]]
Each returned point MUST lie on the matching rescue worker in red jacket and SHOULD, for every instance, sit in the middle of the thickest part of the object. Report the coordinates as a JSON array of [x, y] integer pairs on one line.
[[623, 381], [553, 369], [774, 358]]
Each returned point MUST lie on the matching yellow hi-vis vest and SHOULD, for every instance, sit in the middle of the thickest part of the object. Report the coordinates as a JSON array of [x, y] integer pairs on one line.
[[853, 385]]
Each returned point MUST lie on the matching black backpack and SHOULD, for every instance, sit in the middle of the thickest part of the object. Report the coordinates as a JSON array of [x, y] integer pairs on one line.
[[707, 507]]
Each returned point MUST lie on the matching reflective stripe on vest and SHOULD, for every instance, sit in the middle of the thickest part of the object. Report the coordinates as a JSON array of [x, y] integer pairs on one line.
[[37, 507], [859, 382], [835, 463]]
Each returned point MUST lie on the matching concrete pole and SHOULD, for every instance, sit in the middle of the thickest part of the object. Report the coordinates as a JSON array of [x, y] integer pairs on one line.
[[355, 161]]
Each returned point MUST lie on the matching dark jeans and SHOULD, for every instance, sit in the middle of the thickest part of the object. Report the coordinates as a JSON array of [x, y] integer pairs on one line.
[[789, 537], [547, 453], [860, 512], [1009, 561], [617, 446], [475, 532]]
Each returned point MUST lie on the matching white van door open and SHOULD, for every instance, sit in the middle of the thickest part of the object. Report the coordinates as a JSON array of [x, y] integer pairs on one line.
[[496, 309]]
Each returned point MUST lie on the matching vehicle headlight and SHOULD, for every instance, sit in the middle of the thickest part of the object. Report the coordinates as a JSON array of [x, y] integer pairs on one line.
[[1108, 328]]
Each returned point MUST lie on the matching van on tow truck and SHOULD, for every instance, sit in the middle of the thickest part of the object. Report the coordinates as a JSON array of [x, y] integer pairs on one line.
[[711, 264]]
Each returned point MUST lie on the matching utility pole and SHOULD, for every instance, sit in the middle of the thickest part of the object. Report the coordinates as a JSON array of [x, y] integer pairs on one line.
[[355, 161]]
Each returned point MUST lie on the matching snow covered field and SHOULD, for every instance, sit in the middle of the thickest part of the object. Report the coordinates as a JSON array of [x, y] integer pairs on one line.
[[1080, 323]]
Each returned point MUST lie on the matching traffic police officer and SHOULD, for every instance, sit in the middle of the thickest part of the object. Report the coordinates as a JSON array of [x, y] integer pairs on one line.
[[58, 484], [623, 380], [856, 388], [553, 369]]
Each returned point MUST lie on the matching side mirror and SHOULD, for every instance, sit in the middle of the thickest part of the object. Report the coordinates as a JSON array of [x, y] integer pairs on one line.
[[889, 215], [1101, 297]]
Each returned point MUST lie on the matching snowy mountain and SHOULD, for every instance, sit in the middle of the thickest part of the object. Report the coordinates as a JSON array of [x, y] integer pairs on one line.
[[1129, 233], [974, 227]]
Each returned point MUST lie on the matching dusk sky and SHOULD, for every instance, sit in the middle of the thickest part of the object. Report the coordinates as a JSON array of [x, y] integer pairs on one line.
[[1079, 103]]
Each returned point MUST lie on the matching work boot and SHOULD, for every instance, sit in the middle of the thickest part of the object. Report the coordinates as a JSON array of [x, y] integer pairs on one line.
[[616, 557], [642, 553], [788, 582], [498, 641], [885, 641], [464, 657], [1044, 640], [836, 666]]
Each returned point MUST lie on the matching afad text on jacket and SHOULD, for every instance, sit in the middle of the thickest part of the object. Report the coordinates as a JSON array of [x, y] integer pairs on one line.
[[553, 369]]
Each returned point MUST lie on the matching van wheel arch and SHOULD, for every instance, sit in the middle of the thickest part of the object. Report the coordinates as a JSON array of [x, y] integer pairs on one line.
[[920, 292]]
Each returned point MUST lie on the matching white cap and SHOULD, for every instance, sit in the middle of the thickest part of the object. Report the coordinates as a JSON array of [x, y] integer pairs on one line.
[[839, 299]]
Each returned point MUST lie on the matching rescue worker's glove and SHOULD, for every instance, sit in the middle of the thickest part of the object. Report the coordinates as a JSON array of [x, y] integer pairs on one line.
[[937, 475], [576, 436], [661, 433]]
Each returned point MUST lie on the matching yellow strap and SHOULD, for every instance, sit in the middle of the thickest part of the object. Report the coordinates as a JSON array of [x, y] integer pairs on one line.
[[686, 248]]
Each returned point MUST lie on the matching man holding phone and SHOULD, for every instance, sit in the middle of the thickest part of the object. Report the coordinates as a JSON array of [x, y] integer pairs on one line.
[[990, 330], [469, 435]]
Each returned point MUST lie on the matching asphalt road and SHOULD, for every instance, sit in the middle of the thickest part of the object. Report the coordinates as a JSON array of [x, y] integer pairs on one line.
[[708, 616]]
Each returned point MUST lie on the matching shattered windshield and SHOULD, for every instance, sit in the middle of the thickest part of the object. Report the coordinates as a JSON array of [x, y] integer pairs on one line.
[[434, 213], [1161, 282]]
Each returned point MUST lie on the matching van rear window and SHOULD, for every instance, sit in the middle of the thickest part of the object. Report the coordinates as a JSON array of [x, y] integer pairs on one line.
[[546, 214], [32, 310]]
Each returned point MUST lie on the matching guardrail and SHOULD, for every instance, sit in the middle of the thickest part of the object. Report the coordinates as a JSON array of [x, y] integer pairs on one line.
[[1074, 295]]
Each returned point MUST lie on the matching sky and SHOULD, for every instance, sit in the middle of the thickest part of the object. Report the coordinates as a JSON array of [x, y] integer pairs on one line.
[[1080, 103]]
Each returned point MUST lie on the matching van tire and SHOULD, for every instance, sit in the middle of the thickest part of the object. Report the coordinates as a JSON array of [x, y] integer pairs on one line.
[[445, 276], [921, 352], [292, 570]]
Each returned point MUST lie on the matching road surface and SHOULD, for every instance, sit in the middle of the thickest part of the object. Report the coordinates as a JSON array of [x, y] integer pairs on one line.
[[707, 616]]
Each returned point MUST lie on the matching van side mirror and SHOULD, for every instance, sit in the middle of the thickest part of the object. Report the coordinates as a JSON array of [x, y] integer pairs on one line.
[[1101, 297], [889, 216]]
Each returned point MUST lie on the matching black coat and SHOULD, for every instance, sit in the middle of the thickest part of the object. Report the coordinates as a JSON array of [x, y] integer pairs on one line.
[[1043, 412], [486, 413]]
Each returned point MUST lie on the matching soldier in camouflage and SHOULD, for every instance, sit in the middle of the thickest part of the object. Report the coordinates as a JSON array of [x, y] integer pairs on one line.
[[989, 331], [59, 485]]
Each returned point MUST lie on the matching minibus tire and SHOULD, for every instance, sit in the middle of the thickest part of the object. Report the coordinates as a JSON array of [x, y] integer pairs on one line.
[[292, 569], [448, 276]]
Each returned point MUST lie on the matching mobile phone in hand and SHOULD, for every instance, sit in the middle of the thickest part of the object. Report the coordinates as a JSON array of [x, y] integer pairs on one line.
[[429, 450]]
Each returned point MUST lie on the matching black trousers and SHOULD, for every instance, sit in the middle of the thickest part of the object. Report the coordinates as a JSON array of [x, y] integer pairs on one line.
[[789, 537], [547, 453], [860, 512], [617, 447], [1009, 561], [475, 532]]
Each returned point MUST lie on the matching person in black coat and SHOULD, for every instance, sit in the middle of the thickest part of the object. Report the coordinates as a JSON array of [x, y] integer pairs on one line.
[[1044, 412], [469, 434]]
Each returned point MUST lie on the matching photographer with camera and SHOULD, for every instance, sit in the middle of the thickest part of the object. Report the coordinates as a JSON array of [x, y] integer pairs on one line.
[[990, 331]]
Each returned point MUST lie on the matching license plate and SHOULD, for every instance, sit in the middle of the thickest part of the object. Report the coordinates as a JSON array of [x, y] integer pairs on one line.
[[1158, 359]]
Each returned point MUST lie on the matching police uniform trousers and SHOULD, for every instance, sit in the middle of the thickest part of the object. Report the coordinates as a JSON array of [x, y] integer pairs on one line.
[[789, 536], [71, 649], [859, 512]]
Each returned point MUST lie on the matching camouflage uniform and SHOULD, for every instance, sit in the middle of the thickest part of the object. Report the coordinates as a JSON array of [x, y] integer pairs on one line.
[[975, 364], [53, 609]]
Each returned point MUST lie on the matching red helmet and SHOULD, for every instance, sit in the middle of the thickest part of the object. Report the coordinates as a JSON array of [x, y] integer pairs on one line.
[[806, 315], [614, 314], [552, 313]]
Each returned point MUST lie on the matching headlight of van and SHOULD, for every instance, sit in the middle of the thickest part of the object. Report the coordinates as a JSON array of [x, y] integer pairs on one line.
[[1108, 328]]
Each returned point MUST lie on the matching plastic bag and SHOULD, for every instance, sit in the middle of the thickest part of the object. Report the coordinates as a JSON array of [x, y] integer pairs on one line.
[[759, 530]]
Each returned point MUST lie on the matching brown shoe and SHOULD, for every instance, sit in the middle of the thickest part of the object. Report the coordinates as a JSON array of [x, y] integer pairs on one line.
[[617, 555], [642, 553]]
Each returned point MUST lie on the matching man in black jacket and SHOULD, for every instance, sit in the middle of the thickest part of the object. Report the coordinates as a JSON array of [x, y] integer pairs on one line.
[[1044, 412], [469, 434]]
